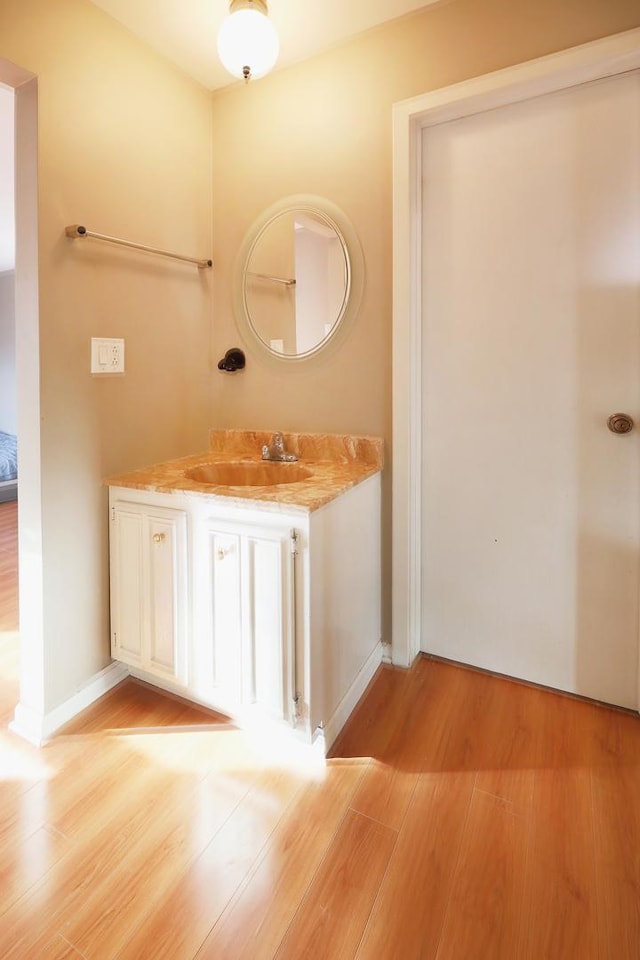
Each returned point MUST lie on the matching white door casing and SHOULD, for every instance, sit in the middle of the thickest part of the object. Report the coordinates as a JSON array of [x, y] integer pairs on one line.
[[607, 57]]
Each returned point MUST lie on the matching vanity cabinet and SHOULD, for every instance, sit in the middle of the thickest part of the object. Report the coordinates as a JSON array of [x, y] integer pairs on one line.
[[267, 613], [149, 608]]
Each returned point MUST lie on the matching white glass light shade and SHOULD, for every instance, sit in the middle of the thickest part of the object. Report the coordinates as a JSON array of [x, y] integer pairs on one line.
[[248, 44]]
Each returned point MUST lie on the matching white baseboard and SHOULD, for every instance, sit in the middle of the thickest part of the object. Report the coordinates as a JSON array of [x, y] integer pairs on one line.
[[37, 728], [346, 706]]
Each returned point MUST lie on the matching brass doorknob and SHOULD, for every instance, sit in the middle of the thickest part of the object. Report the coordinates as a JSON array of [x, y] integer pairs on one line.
[[620, 423]]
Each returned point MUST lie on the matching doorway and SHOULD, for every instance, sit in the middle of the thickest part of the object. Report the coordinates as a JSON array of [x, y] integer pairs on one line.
[[30, 708], [581, 65], [9, 644]]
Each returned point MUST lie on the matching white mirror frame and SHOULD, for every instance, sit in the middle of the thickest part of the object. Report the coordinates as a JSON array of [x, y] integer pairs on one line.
[[309, 204]]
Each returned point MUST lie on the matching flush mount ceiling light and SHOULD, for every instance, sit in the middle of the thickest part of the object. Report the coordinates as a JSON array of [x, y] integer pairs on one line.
[[248, 44]]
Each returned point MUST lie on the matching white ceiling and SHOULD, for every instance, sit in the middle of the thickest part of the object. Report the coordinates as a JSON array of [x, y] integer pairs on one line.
[[185, 31], [7, 232]]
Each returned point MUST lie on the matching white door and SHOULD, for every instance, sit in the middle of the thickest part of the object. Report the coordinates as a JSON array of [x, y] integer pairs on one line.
[[531, 340]]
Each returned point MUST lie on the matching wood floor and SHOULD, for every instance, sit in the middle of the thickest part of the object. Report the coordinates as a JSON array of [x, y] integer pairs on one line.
[[462, 817]]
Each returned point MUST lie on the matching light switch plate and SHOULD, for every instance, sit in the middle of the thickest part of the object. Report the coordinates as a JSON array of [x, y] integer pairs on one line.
[[107, 356]]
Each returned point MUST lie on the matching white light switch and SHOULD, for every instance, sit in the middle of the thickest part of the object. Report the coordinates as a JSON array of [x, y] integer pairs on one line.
[[107, 356]]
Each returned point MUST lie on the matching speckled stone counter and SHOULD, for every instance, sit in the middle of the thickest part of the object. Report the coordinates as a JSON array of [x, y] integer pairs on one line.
[[336, 462]]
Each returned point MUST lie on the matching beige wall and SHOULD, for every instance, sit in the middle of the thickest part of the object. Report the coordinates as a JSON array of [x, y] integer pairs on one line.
[[324, 127], [124, 147]]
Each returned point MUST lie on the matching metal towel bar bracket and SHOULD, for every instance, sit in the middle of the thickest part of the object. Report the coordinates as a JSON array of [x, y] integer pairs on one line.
[[77, 231]]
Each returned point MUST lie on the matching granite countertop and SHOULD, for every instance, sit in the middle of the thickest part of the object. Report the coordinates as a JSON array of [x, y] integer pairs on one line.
[[336, 463]]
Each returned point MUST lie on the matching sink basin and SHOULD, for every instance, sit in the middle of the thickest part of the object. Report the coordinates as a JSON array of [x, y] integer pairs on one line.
[[262, 473]]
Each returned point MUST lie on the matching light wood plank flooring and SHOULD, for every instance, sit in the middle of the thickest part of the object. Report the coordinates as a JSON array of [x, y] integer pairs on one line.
[[461, 817]]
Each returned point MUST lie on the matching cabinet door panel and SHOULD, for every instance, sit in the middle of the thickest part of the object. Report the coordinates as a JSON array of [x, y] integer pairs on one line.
[[163, 537], [127, 571], [226, 614], [265, 587]]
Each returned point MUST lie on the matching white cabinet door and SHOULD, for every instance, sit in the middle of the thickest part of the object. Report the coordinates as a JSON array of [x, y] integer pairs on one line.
[[166, 538], [226, 612], [267, 621], [251, 616], [149, 596]]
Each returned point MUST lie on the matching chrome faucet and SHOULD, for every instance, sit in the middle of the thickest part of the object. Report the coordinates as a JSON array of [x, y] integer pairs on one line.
[[276, 450]]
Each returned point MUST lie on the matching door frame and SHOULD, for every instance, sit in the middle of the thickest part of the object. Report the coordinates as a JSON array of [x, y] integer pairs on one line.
[[592, 61], [33, 664]]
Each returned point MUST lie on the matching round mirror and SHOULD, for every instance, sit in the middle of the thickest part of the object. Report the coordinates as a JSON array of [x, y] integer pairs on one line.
[[296, 278]]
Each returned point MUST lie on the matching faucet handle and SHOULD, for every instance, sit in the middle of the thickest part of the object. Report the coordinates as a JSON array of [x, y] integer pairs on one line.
[[265, 452], [278, 440]]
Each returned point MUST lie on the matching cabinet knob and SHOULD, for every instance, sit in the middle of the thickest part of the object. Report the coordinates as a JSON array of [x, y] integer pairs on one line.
[[221, 553], [159, 537]]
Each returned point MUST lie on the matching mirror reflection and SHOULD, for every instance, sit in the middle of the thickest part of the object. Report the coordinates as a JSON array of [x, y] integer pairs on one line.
[[296, 282]]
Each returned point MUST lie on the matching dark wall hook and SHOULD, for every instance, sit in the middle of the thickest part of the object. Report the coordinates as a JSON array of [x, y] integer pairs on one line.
[[234, 359]]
